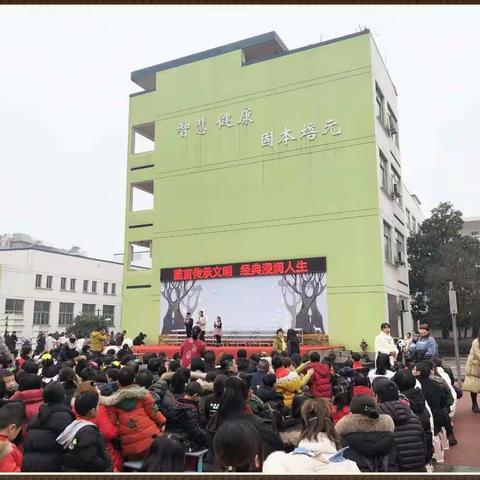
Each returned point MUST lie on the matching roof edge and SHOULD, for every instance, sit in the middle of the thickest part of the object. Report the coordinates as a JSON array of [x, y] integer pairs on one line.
[[39, 249]]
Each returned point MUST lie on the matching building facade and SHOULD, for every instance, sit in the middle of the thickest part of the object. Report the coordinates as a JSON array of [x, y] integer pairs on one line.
[[42, 290], [471, 226], [251, 152]]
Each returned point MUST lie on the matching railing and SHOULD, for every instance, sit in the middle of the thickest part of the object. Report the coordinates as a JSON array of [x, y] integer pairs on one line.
[[229, 338]]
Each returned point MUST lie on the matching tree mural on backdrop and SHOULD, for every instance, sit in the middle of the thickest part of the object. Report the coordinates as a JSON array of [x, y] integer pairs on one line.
[[176, 294], [307, 287], [290, 299]]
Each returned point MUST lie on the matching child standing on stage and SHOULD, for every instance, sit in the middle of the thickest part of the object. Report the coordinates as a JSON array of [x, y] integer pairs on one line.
[[217, 331]]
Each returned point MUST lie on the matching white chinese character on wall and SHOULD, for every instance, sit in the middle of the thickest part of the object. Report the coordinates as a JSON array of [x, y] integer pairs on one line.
[[225, 120], [267, 139], [286, 136], [183, 128], [330, 127], [201, 126], [309, 131], [246, 116]]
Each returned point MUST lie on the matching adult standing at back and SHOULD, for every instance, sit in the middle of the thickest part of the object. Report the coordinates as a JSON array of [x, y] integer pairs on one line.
[[425, 347], [293, 345], [97, 338], [202, 324], [472, 373], [191, 348], [384, 343], [188, 324]]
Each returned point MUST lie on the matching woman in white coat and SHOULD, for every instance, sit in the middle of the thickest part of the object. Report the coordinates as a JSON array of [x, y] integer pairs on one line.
[[317, 451], [472, 374]]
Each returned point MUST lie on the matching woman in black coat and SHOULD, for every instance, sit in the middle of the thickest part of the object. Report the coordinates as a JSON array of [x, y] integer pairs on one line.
[[293, 345], [41, 452], [233, 406], [408, 435], [368, 436]]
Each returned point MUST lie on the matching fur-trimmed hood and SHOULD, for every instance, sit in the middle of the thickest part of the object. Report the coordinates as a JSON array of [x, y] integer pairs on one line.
[[356, 422], [369, 437], [291, 377], [125, 397]]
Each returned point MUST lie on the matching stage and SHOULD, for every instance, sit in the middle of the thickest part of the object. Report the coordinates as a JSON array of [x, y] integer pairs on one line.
[[170, 350]]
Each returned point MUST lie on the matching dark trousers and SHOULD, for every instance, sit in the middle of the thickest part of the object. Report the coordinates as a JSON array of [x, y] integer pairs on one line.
[[188, 332], [218, 339], [202, 335], [441, 419]]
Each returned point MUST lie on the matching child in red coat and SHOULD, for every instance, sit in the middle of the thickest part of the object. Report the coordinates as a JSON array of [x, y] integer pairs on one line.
[[12, 417]]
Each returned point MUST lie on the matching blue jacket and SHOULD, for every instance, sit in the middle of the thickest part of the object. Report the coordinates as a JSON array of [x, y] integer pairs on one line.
[[425, 348]]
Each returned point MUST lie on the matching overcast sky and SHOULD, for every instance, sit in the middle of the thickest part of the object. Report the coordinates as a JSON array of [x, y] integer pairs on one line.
[[65, 81]]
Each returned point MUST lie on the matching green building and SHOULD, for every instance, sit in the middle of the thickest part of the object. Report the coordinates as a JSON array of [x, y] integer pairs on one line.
[[251, 152]]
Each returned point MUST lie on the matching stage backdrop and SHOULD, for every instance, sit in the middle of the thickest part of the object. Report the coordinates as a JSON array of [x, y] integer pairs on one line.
[[249, 296]]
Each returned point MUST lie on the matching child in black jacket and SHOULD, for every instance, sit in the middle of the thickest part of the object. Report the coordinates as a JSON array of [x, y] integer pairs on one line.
[[85, 449]]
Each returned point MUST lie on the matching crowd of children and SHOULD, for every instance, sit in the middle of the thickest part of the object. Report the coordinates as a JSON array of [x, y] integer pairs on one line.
[[91, 409]]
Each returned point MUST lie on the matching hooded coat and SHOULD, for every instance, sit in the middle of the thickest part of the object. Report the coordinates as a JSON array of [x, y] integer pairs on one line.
[[96, 341], [419, 408], [32, 400], [184, 421], [41, 451], [289, 383], [370, 442], [320, 385], [133, 410], [84, 448], [408, 435], [318, 456]]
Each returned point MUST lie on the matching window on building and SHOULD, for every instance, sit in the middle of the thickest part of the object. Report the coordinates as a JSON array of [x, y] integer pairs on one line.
[[409, 220], [392, 125], [14, 306], [85, 286], [379, 104], [63, 283], [140, 255], [105, 288], [94, 286], [108, 314], [49, 281], [65, 316], [143, 138], [38, 281], [41, 313], [383, 172], [396, 186], [114, 286], [414, 224], [141, 196], [387, 242], [399, 247], [88, 309], [72, 284]]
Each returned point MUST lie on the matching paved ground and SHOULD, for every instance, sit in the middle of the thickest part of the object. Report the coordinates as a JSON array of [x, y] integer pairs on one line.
[[467, 429]]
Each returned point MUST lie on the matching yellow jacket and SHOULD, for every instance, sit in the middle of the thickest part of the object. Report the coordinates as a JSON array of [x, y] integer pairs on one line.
[[279, 344], [292, 384], [96, 341]]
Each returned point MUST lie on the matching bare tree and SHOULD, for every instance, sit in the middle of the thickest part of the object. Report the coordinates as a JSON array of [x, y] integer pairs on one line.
[[190, 302], [309, 286], [174, 293], [290, 299]]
